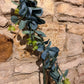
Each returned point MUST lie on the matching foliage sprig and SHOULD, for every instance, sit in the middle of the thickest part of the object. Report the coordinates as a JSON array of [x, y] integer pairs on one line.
[[27, 16]]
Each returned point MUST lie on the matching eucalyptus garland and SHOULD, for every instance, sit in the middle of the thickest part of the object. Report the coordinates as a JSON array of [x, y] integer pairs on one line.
[[27, 16]]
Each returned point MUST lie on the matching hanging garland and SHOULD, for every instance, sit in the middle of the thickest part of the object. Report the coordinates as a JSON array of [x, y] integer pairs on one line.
[[27, 16]]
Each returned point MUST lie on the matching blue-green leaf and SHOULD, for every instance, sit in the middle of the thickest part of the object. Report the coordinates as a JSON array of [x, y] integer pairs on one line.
[[40, 21], [38, 42], [33, 25], [31, 3], [48, 46], [40, 47], [46, 42], [66, 72], [47, 65], [37, 37], [28, 32], [23, 9], [60, 83], [53, 67], [53, 51], [14, 2], [29, 12], [22, 24], [48, 60], [44, 55], [60, 78], [54, 75], [37, 11], [14, 19], [40, 33]]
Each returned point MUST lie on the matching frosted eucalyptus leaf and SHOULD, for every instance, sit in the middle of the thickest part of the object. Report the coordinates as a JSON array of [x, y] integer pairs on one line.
[[40, 47], [40, 21], [60, 83], [23, 1], [65, 73], [60, 78], [23, 9], [40, 33], [53, 51], [33, 25], [46, 42], [14, 19], [28, 32], [29, 12], [38, 42], [14, 2], [48, 46], [48, 60], [44, 55], [37, 11], [22, 24], [53, 67], [37, 37], [47, 65], [31, 3], [55, 75]]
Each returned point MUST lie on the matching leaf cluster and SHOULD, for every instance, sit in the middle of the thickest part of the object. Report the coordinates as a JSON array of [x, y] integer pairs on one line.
[[27, 16]]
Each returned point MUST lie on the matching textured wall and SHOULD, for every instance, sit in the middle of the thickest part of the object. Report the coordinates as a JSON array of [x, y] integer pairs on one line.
[[64, 27]]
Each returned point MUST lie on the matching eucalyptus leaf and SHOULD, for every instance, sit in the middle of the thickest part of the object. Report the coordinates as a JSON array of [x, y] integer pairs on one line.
[[22, 24], [37, 11], [23, 9], [66, 72], [47, 65], [48, 46], [31, 3], [60, 78], [53, 67], [40, 47], [37, 37], [44, 55], [28, 32], [55, 74], [53, 51], [48, 60], [14, 19], [40, 21], [14, 2], [60, 83], [29, 12], [40, 33], [46, 42], [33, 25], [39, 42]]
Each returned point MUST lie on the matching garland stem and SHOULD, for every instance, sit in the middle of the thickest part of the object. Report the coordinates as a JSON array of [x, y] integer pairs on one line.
[[44, 74]]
